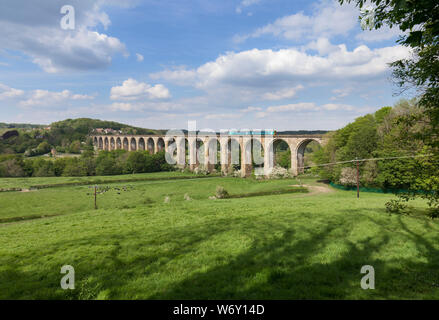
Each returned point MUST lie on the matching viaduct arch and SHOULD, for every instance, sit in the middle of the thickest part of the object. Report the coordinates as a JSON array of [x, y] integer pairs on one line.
[[245, 151]]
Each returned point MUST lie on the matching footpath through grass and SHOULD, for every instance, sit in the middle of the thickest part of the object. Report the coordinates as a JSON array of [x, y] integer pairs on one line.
[[289, 246]]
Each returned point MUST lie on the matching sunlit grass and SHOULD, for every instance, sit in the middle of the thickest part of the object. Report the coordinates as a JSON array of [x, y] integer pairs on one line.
[[291, 246]]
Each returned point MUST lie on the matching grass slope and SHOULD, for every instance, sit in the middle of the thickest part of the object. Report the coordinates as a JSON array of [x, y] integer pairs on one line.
[[25, 183], [290, 246]]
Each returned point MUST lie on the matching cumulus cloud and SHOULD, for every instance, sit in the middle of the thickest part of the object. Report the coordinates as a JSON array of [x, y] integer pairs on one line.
[[139, 57], [8, 92], [327, 20], [33, 27], [48, 98], [134, 90], [265, 70]]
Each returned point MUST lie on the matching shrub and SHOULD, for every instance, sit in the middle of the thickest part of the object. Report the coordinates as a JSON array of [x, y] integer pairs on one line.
[[395, 206], [221, 193], [237, 173], [201, 170], [278, 172], [348, 176], [433, 213]]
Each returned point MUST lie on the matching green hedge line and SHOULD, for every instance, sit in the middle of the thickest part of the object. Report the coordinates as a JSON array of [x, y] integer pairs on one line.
[[99, 181], [268, 193], [94, 182], [375, 190]]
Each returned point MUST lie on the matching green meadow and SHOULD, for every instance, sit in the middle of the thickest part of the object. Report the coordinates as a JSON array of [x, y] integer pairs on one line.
[[256, 245]]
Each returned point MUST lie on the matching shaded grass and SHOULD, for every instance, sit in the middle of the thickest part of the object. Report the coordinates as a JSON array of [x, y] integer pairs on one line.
[[272, 247]]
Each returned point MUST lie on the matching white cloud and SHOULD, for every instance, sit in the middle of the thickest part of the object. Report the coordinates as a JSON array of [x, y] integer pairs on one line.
[[245, 4], [221, 116], [139, 57], [258, 72], [341, 93], [251, 109], [293, 107], [381, 34], [328, 19], [122, 106], [8, 92], [303, 106], [134, 90], [337, 106], [33, 28], [282, 94], [50, 98]]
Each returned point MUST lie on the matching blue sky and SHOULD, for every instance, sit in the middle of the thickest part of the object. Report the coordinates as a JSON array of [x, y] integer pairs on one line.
[[258, 64]]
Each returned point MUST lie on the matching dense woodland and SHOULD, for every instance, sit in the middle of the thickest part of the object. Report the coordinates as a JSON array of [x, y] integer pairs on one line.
[[384, 134], [87, 164]]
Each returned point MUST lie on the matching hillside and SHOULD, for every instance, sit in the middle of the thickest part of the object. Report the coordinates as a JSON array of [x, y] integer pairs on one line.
[[62, 135]]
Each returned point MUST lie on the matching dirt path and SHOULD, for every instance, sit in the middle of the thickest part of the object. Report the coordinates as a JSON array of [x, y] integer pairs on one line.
[[314, 190]]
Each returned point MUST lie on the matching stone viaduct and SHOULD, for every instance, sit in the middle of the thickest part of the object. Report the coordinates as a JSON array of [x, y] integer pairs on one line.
[[244, 151]]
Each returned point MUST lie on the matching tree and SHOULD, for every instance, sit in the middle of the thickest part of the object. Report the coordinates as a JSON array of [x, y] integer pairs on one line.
[[75, 147], [420, 22], [11, 168], [43, 148], [74, 168], [136, 162], [419, 19], [106, 164], [43, 168]]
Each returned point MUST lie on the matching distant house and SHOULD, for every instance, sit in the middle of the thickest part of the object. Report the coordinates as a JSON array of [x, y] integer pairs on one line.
[[107, 131], [48, 128]]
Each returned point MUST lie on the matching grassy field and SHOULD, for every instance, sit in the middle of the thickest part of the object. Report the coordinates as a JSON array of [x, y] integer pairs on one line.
[[25, 183], [290, 246]]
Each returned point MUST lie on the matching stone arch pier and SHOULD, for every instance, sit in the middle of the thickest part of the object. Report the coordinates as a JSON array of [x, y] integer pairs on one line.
[[212, 150]]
